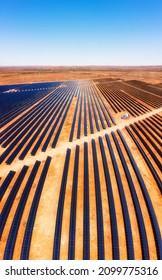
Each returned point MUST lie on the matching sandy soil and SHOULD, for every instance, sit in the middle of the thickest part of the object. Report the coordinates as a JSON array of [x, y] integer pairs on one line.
[[14, 75]]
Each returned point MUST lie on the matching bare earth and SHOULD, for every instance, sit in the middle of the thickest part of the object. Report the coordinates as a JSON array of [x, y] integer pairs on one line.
[[14, 75]]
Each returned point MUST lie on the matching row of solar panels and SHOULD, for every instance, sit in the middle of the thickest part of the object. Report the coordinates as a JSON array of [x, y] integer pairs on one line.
[[147, 87], [14, 103], [10, 244], [41, 122], [146, 97], [50, 109], [93, 106], [149, 133], [120, 101], [4, 88]]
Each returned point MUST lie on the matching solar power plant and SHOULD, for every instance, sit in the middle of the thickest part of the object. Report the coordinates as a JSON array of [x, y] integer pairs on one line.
[[79, 181]]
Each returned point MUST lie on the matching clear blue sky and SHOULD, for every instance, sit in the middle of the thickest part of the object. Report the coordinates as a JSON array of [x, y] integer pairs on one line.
[[80, 32]]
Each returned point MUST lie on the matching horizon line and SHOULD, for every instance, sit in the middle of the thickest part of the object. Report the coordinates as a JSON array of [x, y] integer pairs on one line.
[[89, 65]]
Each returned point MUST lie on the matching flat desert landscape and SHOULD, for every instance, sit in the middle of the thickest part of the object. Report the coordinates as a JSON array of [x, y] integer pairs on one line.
[[80, 156], [16, 75]]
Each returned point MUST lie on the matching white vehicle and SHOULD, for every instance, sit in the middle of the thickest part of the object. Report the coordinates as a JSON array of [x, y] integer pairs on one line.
[[125, 116]]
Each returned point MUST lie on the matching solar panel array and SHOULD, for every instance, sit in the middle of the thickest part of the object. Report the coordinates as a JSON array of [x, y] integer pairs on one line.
[[91, 199], [41, 126], [102, 154]]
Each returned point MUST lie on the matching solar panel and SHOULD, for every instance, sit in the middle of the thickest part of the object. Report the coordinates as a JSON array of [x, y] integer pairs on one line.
[[149, 205], [60, 208], [100, 229], [33, 210]]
